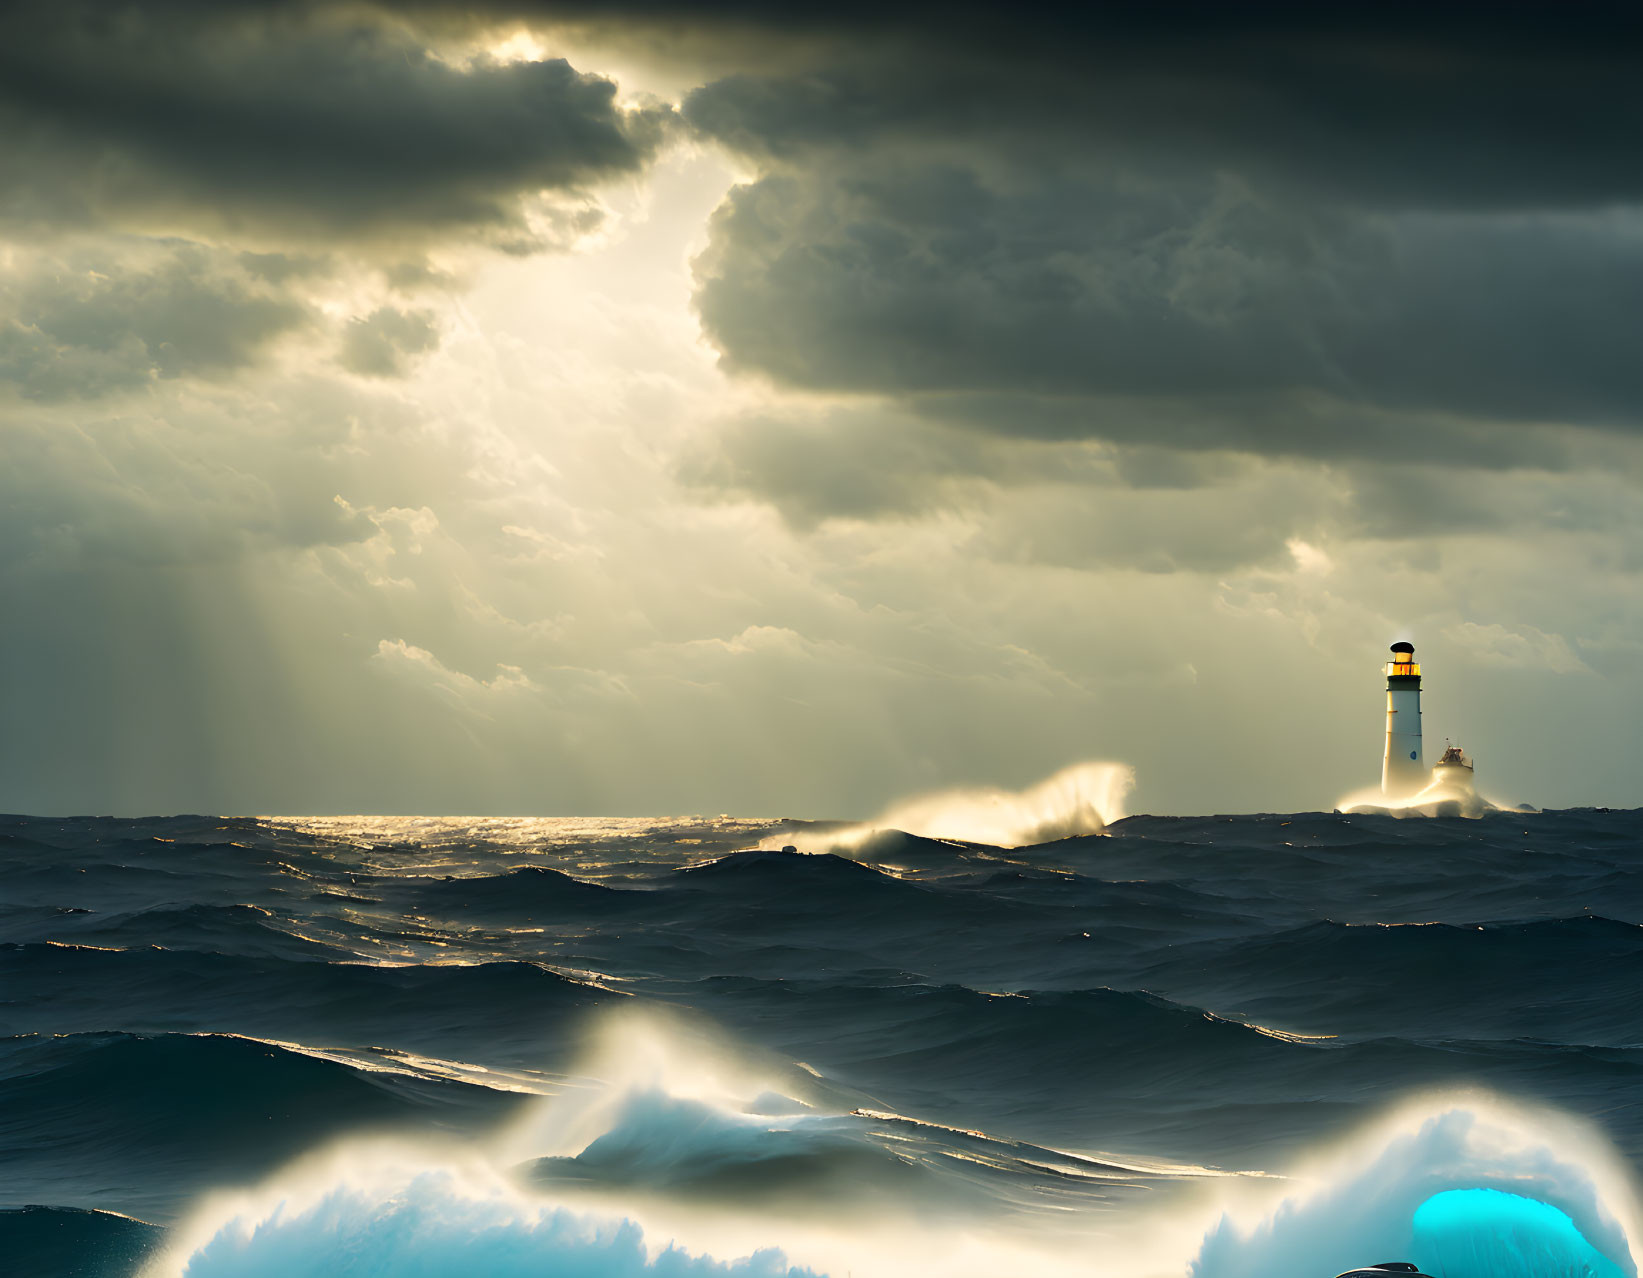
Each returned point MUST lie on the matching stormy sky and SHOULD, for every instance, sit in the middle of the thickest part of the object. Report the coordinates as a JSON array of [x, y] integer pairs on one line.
[[496, 407]]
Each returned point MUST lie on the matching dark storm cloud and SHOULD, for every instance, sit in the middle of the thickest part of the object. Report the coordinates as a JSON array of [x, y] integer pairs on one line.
[[1369, 118], [1521, 102], [1112, 291], [1305, 231], [300, 122], [1318, 233]]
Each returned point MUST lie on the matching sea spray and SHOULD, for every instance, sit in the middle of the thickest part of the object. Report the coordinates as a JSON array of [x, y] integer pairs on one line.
[[1079, 800]]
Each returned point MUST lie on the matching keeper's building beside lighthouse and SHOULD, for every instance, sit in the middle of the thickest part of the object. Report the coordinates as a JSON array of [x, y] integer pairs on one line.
[[1403, 773]]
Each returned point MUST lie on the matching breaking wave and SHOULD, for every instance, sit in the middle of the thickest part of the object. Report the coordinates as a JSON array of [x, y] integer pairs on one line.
[[1474, 1189], [1079, 800]]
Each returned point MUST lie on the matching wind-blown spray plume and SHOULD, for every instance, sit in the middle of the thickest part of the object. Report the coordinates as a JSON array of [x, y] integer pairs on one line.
[[1082, 799]]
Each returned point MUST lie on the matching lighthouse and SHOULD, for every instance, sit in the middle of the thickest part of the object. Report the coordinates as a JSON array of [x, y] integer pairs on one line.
[[1402, 773]]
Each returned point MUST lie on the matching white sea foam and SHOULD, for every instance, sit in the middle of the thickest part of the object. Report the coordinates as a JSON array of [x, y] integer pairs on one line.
[[436, 1221]]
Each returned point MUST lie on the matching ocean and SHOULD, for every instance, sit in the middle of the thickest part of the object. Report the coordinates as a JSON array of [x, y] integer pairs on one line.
[[1217, 1046]]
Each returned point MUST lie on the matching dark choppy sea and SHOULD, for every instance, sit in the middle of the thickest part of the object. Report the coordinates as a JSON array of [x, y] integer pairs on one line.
[[1224, 1046]]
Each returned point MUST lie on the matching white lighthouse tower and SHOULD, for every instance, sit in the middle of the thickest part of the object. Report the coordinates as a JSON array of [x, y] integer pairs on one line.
[[1403, 773]]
